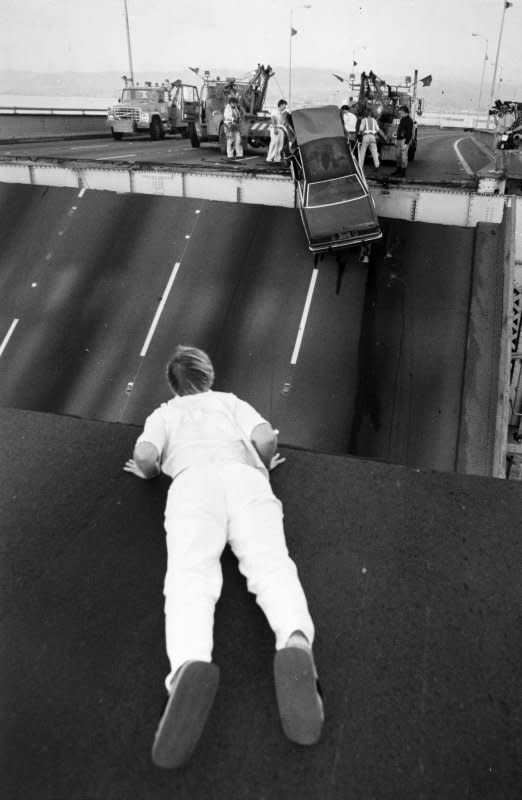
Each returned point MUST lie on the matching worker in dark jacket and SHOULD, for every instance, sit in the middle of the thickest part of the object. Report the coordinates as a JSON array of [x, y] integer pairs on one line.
[[404, 139]]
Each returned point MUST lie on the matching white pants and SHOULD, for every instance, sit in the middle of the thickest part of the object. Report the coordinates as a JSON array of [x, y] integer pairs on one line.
[[368, 141], [234, 144], [277, 140], [206, 508]]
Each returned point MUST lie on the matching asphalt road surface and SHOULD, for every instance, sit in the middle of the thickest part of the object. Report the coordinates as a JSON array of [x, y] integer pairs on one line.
[[97, 288], [445, 154]]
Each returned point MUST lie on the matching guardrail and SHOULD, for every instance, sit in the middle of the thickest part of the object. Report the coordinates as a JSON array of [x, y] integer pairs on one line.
[[19, 123], [56, 111]]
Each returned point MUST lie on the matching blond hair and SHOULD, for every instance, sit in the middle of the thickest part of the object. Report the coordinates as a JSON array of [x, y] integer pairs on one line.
[[189, 371]]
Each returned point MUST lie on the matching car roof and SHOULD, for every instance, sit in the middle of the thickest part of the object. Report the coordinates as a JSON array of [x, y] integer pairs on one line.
[[322, 122]]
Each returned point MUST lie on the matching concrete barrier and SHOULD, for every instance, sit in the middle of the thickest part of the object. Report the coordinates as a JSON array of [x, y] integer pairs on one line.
[[20, 124]]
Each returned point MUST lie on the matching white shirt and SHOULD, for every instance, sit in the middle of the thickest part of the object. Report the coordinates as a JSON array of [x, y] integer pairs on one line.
[[202, 428], [368, 125], [349, 121]]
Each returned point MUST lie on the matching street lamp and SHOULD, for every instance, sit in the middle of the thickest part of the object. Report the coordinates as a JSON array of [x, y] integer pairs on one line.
[[479, 36], [505, 6], [292, 33], [128, 42]]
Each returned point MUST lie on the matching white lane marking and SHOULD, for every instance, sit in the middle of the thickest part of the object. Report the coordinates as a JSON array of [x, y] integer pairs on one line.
[[304, 317], [8, 335], [123, 155], [460, 157], [89, 147], [159, 310], [82, 191]]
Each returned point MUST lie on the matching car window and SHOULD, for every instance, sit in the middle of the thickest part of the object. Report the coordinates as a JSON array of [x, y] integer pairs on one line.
[[338, 190], [327, 158]]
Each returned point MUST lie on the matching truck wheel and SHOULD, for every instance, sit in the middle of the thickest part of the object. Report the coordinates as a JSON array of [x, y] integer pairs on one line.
[[115, 135], [156, 129], [222, 140], [192, 132]]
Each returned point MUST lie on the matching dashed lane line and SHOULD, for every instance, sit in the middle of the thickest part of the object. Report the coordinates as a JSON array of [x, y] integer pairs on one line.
[[304, 317], [159, 310], [123, 155], [8, 335]]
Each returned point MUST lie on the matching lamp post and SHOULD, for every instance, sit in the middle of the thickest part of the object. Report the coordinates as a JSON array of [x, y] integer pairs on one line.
[[505, 6], [305, 5], [479, 36], [128, 42]]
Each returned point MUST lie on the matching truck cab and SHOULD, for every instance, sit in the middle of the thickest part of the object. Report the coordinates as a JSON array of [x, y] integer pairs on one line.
[[153, 109]]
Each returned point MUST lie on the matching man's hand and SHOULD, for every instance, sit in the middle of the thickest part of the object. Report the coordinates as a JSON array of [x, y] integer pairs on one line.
[[131, 466], [275, 461]]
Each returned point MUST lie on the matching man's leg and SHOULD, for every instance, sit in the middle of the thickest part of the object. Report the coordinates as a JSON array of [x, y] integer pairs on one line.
[[195, 521], [238, 145], [363, 147], [374, 152], [272, 147], [230, 145], [257, 538]]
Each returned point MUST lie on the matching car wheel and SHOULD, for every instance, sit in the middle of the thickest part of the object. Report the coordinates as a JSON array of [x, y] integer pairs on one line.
[[156, 129]]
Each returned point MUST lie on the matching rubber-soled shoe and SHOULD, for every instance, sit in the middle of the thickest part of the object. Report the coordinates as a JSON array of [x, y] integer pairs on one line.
[[298, 697], [186, 712]]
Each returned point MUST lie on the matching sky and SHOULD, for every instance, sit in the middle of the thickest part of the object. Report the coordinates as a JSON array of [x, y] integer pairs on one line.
[[388, 36]]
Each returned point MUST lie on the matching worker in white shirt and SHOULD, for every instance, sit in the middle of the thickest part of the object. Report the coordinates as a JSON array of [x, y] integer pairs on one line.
[[278, 128], [350, 125], [231, 122], [368, 131], [218, 450]]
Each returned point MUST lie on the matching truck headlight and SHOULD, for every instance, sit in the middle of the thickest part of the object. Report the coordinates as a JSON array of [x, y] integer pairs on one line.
[[145, 117]]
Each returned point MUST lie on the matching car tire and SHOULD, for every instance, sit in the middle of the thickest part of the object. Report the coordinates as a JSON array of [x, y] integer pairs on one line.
[[193, 134], [156, 129]]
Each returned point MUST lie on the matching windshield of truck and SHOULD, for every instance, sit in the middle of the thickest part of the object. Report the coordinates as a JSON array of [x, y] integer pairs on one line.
[[338, 190], [142, 94]]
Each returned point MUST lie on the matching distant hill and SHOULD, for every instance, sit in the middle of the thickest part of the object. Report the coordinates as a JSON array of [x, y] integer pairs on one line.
[[309, 86]]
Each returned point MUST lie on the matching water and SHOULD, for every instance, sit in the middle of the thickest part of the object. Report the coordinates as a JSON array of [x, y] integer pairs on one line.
[[47, 101]]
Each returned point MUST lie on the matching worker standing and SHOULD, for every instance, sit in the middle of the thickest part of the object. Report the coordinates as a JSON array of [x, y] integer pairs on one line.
[[218, 450], [278, 126], [232, 125], [368, 131], [404, 139], [350, 125]]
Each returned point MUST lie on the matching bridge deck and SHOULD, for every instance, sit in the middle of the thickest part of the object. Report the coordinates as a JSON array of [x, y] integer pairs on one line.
[[413, 580]]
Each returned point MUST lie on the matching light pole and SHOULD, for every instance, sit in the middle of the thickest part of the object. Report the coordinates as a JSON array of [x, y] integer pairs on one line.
[[305, 5], [128, 42], [479, 36], [505, 6]]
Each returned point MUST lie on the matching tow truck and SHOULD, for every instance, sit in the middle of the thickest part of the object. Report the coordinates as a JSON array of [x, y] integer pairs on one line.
[[153, 109], [384, 101], [207, 114]]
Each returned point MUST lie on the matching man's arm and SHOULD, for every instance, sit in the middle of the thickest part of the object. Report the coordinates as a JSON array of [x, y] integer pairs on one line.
[[145, 462], [264, 439]]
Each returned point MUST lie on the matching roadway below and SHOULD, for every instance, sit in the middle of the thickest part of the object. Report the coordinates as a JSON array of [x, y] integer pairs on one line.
[[97, 288]]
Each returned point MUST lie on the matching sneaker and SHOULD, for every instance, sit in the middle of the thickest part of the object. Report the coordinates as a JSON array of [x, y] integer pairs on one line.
[[298, 692], [186, 711]]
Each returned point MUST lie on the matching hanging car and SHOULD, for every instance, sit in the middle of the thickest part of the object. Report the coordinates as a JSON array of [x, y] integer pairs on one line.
[[335, 204]]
